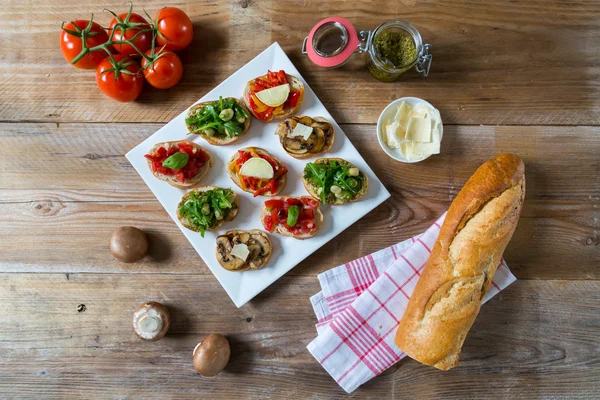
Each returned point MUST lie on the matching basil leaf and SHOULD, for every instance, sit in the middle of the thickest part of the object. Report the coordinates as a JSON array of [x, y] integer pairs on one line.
[[293, 213], [177, 160]]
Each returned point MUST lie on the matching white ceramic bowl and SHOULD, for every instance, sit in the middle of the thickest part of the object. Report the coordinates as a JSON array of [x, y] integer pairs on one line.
[[387, 116]]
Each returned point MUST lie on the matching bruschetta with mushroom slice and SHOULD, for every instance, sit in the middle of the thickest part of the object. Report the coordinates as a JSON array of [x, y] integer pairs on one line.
[[303, 137], [219, 122], [334, 181], [239, 250], [180, 163], [275, 95], [207, 207], [256, 171], [298, 217]]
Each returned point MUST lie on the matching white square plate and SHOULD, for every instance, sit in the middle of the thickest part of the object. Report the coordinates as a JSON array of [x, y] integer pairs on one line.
[[287, 252]]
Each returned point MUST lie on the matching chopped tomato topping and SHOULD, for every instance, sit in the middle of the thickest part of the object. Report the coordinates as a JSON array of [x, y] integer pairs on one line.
[[274, 203], [279, 212]]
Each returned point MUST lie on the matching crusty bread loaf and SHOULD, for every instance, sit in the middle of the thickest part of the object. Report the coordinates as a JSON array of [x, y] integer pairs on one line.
[[294, 82], [281, 230], [464, 259]]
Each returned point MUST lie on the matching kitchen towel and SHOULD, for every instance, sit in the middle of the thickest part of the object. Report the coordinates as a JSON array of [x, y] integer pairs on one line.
[[362, 302]]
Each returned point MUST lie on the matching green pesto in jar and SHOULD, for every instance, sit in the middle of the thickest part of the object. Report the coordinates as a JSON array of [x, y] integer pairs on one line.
[[396, 47]]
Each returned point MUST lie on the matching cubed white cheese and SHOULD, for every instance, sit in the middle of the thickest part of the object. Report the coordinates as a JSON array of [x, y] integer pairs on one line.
[[302, 130], [240, 251], [419, 129]]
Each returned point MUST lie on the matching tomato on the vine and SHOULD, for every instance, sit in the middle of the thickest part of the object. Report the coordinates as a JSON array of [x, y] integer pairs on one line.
[[164, 69], [136, 25], [121, 81], [175, 30], [71, 42]]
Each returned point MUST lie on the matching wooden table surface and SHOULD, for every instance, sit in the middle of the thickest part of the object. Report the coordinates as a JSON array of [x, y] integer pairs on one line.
[[507, 76]]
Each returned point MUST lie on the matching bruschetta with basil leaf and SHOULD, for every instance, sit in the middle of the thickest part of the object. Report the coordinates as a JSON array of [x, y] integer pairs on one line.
[[239, 250], [303, 137], [181, 163], [256, 171], [275, 95], [298, 217], [219, 122], [334, 181], [206, 208]]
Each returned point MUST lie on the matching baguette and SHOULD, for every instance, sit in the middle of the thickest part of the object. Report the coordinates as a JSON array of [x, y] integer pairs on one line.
[[171, 179], [295, 84], [464, 259]]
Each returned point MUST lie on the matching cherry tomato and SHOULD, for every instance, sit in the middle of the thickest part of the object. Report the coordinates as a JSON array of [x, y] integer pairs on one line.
[[175, 28], [164, 72], [127, 87], [71, 45], [142, 41]]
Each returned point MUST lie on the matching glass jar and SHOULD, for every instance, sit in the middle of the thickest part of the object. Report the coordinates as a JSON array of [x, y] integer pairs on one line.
[[333, 40], [384, 70]]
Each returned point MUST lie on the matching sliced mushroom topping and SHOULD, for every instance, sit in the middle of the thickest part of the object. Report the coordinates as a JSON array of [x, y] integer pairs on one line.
[[259, 248], [315, 143]]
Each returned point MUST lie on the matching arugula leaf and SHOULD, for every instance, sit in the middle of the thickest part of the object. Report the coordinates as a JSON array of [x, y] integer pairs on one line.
[[232, 128], [177, 160]]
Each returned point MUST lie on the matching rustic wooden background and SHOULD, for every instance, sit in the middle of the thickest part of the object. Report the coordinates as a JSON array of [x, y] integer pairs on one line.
[[507, 76]]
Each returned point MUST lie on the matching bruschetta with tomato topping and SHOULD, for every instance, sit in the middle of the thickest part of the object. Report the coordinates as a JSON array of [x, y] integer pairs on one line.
[[182, 163], [299, 217], [255, 171], [275, 95]]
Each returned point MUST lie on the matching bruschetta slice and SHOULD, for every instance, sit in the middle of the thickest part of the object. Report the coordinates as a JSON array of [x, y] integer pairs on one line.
[[206, 208], [334, 181], [256, 171], [219, 122], [303, 137], [239, 250], [180, 163], [298, 217], [275, 95]]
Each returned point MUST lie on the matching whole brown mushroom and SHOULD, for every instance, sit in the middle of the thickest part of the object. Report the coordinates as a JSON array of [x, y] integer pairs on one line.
[[211, 355], [128, 244], [151, 321]]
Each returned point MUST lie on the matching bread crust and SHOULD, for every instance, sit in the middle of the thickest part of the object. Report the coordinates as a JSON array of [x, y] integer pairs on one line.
[[219, 141], [464, 259], [234, 178], [294, 82], [247, 266], [312, 190], [230, 215], [170, 179], [281, 230], [282, 130]]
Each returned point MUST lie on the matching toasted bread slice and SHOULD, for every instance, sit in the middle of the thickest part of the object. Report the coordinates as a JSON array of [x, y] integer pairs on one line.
[[255, 240], [229, 217], [234, 177], [281, 230], [218, 140], [319, 142], [170, 179], [313, 190], [295, 83]]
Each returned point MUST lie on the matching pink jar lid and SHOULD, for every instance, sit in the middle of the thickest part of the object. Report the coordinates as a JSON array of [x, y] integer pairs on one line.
[[343, 54]]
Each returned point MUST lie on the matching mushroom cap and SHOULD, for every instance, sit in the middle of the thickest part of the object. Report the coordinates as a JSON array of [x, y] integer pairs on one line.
[[128, 244], [151, 321], [211, 355]]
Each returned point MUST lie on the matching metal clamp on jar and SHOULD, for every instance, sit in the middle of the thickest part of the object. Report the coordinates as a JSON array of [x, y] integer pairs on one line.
[[333, 40]]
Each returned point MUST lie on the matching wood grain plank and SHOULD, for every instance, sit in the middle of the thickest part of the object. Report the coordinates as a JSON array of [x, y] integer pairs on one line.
[[504, 62], [90, 182], [49, 349]]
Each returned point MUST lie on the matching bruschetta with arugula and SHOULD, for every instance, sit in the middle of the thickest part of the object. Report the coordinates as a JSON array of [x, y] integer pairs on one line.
[[206, 208], [219, 122], [334, 181]]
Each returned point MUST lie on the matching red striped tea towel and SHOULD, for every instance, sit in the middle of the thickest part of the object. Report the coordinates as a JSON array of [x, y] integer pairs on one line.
[[362, 302]]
